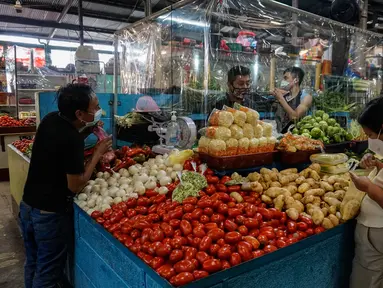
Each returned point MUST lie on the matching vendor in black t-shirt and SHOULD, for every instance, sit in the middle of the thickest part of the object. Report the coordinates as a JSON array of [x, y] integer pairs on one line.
[[56, 174]]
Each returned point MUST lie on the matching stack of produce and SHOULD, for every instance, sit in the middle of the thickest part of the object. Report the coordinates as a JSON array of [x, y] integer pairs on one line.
[[25, 146], [357, 132], [236, 131], [8, 121], [321, 127], [294, 143], [331, 163], [232, 220]]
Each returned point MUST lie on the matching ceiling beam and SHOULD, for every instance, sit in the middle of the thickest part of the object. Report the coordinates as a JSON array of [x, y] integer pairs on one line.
[[52, 24], [61, 17], [58, 38], [73, 11]]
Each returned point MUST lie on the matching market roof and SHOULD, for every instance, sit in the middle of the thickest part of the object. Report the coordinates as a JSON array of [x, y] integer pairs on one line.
[[58, 19]]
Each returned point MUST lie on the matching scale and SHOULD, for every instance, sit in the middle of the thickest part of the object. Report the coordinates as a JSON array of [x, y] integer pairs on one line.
[[188, 134]]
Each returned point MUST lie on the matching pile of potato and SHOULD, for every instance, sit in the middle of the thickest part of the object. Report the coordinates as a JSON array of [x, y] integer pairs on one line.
[[305, 193]]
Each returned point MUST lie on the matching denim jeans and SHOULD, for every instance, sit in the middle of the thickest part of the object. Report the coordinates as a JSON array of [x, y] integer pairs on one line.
[[46, 238]]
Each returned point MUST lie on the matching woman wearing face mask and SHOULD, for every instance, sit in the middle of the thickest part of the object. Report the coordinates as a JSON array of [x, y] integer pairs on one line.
[[56, 174], [292, 102], [368, 262]]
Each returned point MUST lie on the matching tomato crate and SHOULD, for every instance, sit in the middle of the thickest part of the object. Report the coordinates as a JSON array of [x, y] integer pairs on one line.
[[320, 261]]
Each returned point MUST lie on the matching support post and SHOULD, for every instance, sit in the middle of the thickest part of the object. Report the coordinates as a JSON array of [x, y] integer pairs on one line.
[[148, 8], [80, 22]]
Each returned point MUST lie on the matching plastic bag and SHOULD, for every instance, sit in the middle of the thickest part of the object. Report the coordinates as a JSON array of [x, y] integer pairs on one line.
[[329, 159], [252, 116], [258, 131], [217, 147], [218, 132], [236, 131], [232, 147], [254, 146], [248, 131], [239, 116], [335, 169], [203, 145], [221, 118], [243, 146]]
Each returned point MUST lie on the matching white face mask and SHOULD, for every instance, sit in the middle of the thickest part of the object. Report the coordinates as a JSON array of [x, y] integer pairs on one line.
[[376, 145], [285, 85]]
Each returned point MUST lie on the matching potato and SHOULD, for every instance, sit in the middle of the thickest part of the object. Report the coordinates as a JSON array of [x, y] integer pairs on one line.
[[338, 186], [325, 211], [279, 202], [303, 214], [292, 213], [337, 179], [310, 208], [303, 188], [275, 184], [308, 199], [292, 184], [289, 171], [338, 215], [275, 170], [269, 175], [256, 187], [265, 185], [327, 224], [317, 201], [317, 216], [290, 202], [326, 187], [330, 194], [314, 192], [274, 192], [236, 196], [300, 180], [332, 201], [332, 210], [286, 179], [316, 167], [254, 177], [292, 189], [339, 194], [323, 204], [334, 220], [266, 199], [313, 184], [305, 173], [314, 175], [298, 196]]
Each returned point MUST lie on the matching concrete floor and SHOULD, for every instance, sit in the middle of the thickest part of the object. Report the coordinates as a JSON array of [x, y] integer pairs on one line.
[[11, 244]]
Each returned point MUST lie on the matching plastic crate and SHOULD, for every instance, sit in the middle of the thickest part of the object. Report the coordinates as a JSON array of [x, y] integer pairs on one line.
[[337, 148], [343, 118], [320, 261]]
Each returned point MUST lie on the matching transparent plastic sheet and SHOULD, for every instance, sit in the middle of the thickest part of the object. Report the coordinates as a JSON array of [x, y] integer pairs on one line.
[[187, 52]]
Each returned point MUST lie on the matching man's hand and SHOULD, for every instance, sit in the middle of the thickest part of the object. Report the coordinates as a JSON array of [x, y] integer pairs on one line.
[[279, 93], [102, 147], [368, 161], [362, 183]]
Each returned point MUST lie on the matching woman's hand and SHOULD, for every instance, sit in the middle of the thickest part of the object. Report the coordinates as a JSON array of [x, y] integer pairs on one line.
[[368, 161], [362, 183]]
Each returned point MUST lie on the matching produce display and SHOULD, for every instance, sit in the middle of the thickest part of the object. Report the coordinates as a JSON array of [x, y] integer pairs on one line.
[[236, 131], [25, 146], [333, 163], [229, 221], [8, 121], [321, 127], [294, 143], [331, 101], [357, 132]]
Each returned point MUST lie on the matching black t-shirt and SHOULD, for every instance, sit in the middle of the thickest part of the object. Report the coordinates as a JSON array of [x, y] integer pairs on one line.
[[58, 150], [224, 101]]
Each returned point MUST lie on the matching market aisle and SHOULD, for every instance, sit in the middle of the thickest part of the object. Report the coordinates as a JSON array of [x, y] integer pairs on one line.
[[11, 245]]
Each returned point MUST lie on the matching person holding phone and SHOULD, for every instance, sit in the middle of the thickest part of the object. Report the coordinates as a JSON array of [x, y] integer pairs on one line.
[[56, 173], [292, 102], [367, 268]]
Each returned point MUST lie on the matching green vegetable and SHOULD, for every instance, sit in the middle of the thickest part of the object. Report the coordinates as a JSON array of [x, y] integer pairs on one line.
[[316, 133], [325, 117], [331, 122], [195, 179], [306, 135], [295, 131], [192, 183], [319, 114], [349, 137]]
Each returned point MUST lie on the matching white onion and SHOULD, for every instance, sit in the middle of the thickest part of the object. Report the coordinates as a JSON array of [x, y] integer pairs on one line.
[[151, 161], [120, 193], [140, 190], [108, 200], [104, 185], [166, 156], [163, 190], [161, 174], [177, 167], [124, 186], [96, 188], [160, 161], [99, 175], [144, 171], [154, 167], [169, 170], [150, 185], [94, 196], [123, 180], [125, 173], [116, 175], [82, 196], [158, 157], [104, 207], [98, 180], [152, 178], [173, 175], [99, 200], [91, 182], [143, 178], [138, 184], [162, 167], [139, 166], [91, 203], [85, 208], [113, 192], [124, 198], [117, 200], [90, 211], [153, 172], [112, 181], [81, 204], [146, 164], [106, 175], [129, 190], [87, 189], [133, 170], [104, 192], [165, 181]]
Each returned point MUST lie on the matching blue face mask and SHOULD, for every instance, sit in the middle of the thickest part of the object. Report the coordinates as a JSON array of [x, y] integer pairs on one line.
[[97, 117]]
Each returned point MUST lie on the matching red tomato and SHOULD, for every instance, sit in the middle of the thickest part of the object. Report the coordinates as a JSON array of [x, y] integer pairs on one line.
[[204, 219], [234, 188], [199, 232], [135, 233], [291, 241], [225, 179], [234, 212], [135, 248], [208, 211], [243, 230], [233, 237], [187, 217], [225, 265], [210, 226], [217, 218], [230, 225], [254, 233], [186, 228], [203, 203], [175, 223], [212, 265], [176, 255], [198, 274], [210, 189], [244, 251], [196, 242], [188, 208], [212, 179], [175, 214], [190, 200], [157, 235], [100, 220], [235, 259], [129, 241], [143, 201], [184, 266], [240, 219], [202, 256], [141, 225], [205, 243], [163, 250], [302, 226], [166, 271], [224, 253], [216, 234], [280, 243], [266, 214], [214, 249], [310, 232], [221, 188], [197, 213], [182, 279], [269, 249], [319, 230], [307, 220], [190, 253], [168, 230], [253, 241], [269, 234], [223, 209], [96, 214], [291, 226], [258, 253], [263, 239], [251, 223], [108, 213], [280, 233], [131, 203], [302, 235], [157, 262]]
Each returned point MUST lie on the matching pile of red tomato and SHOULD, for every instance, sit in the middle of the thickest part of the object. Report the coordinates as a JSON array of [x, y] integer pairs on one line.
[[189, 241]]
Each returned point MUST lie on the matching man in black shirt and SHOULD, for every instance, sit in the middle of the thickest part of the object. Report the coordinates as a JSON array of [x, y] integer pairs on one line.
[[56, 174]]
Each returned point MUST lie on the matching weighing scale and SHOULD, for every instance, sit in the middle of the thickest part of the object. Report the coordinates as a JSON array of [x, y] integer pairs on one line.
[[188, 134]]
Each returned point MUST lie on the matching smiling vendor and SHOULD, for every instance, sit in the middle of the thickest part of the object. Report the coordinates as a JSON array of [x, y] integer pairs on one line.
[[292, 102]]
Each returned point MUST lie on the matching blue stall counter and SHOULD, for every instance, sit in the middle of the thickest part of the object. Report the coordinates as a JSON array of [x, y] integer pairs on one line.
[[320, 261]]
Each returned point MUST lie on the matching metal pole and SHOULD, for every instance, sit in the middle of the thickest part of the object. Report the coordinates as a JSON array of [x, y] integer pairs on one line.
[[364, 15], [80, 22], [148, 8], [115, 91], [63, 13], [294, 31]]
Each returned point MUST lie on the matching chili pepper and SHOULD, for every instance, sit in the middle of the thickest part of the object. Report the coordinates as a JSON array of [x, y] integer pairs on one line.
[[147, 150], [135, 151], [140, 158], [124, 149], [124, 164]]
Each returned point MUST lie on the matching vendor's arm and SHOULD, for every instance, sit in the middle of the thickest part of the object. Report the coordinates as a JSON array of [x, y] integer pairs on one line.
[[363, 183], [77, 178], [300, 110]]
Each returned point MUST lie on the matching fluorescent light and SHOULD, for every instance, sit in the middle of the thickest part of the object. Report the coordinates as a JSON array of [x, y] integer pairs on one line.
[[169, 17]]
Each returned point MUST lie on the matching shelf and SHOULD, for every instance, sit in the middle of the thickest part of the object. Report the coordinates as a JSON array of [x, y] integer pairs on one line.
[[7, 105], [38, 90], [27, 105], [40, 75]]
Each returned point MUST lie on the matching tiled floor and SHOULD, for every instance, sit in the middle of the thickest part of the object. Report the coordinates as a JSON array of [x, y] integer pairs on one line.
[[11, 245]]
